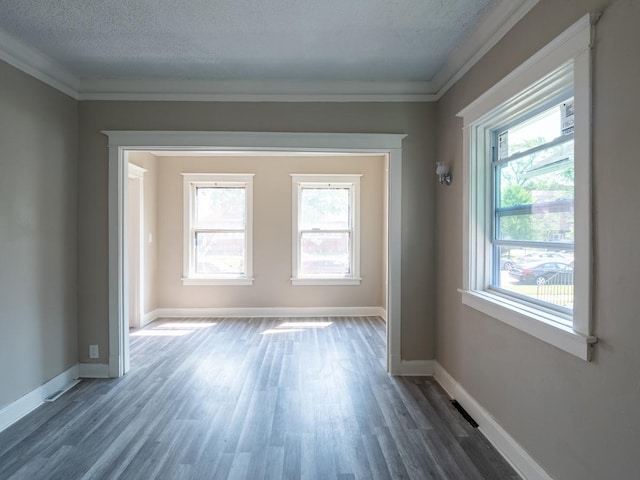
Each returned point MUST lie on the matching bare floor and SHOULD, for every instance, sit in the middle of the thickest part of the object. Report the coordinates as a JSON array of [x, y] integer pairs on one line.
[[252, 399]]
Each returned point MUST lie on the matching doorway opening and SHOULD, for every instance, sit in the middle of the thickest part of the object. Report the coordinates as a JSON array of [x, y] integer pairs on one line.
[[121, 144]]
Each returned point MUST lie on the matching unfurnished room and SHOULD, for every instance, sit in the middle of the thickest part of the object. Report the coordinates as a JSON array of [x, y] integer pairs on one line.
[[364, 239]]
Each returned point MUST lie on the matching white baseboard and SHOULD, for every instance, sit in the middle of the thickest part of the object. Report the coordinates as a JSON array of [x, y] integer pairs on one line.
[[148, 317], [94, 370], [286, 312], [415, 368], [32, 400], [508, 447]]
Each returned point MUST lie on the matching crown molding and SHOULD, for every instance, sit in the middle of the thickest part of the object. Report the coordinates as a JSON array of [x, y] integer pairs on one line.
[[495, 24], [38, 65], [255, 91]]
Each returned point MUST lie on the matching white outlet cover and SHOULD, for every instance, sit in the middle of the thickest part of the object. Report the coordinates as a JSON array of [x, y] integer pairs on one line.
[[94, 351]]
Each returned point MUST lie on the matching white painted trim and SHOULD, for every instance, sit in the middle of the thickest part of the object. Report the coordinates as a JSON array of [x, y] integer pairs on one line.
[[526, 466], [498, 21], [136, 171], [257, 98], [190, 141], [343, 281], [217, 281], [38, 65], [190, 183], [148, 317], [9, 414], [94, 370], [562, 63], [298, 182], [122, 142], [566, 46], [533, 321], [494, 26], [416, 368], [285, 312]]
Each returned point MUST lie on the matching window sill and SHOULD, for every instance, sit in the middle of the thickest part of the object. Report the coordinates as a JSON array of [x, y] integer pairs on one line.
[[539, 324], [325, 281], [217, 281]]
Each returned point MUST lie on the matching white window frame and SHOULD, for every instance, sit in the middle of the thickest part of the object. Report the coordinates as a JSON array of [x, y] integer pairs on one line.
[[191, 181], [351, 181], [529, 86]]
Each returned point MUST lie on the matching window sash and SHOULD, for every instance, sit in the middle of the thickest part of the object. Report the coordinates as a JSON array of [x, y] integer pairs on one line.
[[349, 182], [193, 182], [310, 185]]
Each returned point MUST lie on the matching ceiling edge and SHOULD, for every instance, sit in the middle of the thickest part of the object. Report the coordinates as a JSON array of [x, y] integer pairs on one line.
[[38, 65], [256, 91], [495, 24]]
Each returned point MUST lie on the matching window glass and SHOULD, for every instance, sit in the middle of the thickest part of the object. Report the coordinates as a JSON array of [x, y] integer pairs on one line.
[[326, 222], [325, 253], [219, 253], [220, 207], [533, 221], [325, 208]]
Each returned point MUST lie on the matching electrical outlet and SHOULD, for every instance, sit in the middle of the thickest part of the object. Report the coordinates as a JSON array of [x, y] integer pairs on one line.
[[93, 351]]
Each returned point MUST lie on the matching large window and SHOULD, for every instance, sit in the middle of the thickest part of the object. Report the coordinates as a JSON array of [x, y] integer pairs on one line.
[[533, 178], [527, 142], [326, 236], [217, 229]]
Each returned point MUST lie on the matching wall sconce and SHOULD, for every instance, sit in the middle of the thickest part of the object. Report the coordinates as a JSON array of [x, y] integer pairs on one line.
[[443, 172]]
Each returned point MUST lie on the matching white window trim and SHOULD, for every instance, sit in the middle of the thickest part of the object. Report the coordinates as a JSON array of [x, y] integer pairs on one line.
[[573, 45], [297, 180], [190, 180]]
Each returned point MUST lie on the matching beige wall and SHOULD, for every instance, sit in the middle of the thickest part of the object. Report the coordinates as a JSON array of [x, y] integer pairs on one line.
[[150, 232], [272, 200], [579, 420], [415, 120], [38, 158]]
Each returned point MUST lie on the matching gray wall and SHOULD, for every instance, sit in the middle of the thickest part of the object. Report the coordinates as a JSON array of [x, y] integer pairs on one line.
[[579, 420], [416, 120], [38, 322]]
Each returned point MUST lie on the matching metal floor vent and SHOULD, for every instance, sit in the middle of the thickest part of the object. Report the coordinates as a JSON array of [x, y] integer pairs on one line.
[[58, 393], [464, 414]]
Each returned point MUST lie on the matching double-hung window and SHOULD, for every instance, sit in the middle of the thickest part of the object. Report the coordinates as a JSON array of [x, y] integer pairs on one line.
[[533, 227], [218, 229], [326, 229], [527, 143]]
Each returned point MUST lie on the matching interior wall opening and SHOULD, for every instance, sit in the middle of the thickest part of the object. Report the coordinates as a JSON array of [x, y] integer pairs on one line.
[[155, 254]]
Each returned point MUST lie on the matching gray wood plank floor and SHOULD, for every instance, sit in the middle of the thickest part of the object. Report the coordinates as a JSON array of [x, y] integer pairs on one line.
[[258, 398]]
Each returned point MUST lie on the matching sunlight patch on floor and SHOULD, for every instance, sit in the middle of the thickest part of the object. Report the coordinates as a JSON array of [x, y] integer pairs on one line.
[[172, 329], [289, 327]]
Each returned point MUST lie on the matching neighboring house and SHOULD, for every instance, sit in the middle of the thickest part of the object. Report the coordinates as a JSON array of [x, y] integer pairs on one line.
[[577, 419]]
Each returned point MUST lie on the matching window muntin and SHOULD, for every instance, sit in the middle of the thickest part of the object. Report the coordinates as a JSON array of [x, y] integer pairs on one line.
[[217, 228], [533, 206], [326, 223]]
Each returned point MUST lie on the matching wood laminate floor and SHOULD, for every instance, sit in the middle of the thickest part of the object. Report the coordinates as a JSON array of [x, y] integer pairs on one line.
[[252, 399]]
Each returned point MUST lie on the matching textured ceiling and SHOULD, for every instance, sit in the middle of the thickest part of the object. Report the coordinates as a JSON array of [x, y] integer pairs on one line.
[[301, 40]]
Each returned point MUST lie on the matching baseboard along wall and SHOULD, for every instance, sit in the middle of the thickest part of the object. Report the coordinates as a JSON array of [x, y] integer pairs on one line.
[[56, 386], [509, 448], [268, 312]]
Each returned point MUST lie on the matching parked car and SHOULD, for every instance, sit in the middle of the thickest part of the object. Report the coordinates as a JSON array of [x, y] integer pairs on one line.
[[507, 263], [542, 273], [542, 256]]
